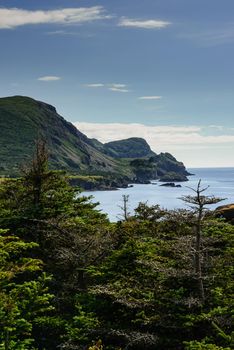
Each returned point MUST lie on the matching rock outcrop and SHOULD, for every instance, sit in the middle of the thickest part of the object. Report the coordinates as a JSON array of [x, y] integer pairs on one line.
[[226, 212]]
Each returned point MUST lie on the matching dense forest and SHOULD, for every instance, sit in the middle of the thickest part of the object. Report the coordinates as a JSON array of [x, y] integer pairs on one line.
[[70, 279]]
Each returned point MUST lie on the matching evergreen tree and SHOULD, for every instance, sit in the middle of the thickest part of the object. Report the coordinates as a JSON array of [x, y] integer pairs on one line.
[[25, 303], [198, 204]]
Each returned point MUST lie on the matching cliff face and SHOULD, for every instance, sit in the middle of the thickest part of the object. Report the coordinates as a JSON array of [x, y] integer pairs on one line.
[[23, 120]]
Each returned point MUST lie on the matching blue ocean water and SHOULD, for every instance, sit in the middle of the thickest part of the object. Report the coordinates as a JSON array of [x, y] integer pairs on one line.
[[219, 180]]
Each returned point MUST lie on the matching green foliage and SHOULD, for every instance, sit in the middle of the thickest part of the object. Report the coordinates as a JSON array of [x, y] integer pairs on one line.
[[43, 207], [163, 166], [147, 285], [93, 183], [97, 346], [132, 284], [24, 296], [195, 345], [133, 147], [82, 323]]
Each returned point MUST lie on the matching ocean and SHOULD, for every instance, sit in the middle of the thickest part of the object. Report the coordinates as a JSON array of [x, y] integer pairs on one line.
[[219, 180]]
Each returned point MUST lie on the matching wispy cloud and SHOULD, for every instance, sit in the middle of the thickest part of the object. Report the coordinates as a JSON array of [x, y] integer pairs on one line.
[[118, 86], [150, 97], [95, 85], [59, 32], [210, 37], [143, 24], [49, 78], [115, 89], [14, 17], [70, 33]]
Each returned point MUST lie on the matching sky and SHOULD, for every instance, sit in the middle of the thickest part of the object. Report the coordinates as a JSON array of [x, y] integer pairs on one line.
[[158, 69]]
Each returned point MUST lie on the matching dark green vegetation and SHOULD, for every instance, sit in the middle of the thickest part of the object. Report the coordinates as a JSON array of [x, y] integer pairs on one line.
[[23, 120], [133, 147], [70, 279], [163, 166], [97, 183]]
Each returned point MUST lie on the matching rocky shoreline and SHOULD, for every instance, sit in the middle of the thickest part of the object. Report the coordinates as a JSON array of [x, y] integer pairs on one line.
[[110, 183]]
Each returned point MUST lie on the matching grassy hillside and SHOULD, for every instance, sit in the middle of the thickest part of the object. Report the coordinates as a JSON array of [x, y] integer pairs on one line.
[[22, 120], [134, 147]]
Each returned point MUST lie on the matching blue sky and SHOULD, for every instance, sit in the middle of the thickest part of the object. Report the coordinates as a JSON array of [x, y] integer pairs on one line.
[[160, 69]]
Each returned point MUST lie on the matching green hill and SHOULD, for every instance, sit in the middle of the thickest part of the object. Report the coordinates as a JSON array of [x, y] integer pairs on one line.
[[134, 147], [23, 120]]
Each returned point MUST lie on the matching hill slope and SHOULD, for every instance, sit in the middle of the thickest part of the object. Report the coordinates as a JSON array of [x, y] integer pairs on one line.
[[22, 120], [134, 147]]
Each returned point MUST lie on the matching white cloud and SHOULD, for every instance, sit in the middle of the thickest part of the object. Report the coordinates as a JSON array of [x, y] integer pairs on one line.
[[14, 17], [95, 85], [157, 136], [118, 89], [57, 32], [150, 98], [112, 87], [118, 86], [144, 24], [161, 138], [49, 78], [70, 33]]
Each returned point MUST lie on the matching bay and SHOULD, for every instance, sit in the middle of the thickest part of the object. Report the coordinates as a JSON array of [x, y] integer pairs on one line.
[[219, 180]]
